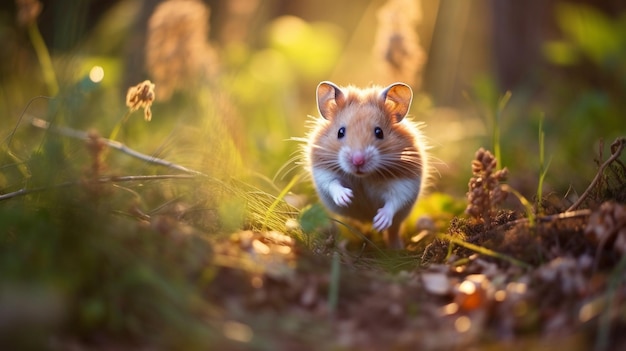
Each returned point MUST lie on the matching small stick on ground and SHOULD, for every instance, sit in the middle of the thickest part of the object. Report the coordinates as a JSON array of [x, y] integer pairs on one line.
[[616, 151]]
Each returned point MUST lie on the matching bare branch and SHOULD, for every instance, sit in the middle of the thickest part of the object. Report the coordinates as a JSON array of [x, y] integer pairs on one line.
[[101, 180], [616, 150], [77, 134]]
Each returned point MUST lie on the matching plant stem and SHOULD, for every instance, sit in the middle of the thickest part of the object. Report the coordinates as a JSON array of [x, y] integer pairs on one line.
[[483, 250], [333, 288], [605, 319], [118, 126], [527, 206], [543, 167], [280, 198], [504, 100], [43, 55]]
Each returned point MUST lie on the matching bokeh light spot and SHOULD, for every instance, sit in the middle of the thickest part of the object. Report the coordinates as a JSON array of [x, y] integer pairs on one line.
[[96, 74]]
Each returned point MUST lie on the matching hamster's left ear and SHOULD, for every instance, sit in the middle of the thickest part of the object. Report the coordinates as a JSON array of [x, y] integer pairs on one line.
[[397, 98]]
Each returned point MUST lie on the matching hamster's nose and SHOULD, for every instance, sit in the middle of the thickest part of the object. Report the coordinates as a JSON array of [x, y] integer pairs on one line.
[[358, 158]]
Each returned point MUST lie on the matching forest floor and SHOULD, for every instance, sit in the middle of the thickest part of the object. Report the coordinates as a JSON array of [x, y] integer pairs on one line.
[[502, 280], [524, 279]]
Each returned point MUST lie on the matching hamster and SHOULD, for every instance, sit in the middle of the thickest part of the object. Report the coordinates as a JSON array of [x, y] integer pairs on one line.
[[368, 162]]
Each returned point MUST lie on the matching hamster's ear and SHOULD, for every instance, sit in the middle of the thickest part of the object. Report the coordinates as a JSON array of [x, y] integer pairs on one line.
[[329, 99], [397, 98]]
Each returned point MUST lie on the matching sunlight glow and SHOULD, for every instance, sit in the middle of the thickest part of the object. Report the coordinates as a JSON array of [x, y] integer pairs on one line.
[[467, 287], [591, 309], [96, 74], [237, 331], [500, 295], [256, 282], [462, 324], [261, 247], [518, 288], [450, 308]]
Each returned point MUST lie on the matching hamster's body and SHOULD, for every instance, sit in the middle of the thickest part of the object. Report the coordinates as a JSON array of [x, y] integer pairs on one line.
[[368, 161]]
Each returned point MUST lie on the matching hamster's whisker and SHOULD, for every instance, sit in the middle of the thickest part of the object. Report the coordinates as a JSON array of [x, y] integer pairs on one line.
[[393, 165], [384, 173]]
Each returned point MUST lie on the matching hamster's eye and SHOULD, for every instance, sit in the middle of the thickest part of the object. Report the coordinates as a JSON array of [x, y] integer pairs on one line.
[[341, 133], [378, 133]]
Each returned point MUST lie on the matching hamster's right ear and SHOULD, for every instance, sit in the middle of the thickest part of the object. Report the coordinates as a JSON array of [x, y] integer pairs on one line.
[[329, 99]]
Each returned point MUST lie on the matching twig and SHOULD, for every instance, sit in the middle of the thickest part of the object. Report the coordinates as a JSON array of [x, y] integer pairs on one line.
[[616, 150], [101, 180], [30, 102], [15, 194], [77, 134], [548, 218]]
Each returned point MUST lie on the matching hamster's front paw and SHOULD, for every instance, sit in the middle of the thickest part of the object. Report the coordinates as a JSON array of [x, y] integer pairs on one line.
[[342, 196], [383, 219]]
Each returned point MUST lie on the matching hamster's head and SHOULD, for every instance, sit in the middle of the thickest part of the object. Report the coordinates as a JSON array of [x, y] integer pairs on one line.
[[362, 135]]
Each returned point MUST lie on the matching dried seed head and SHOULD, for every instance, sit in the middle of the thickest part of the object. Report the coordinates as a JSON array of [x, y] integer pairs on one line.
[[397, 43], [141, 96], [27, 11], [485, 191], [477, 166], [178, 54], [502, 174]]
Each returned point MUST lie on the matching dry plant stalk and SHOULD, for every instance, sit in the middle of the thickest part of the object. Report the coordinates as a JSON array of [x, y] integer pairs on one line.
[[27, 11], [141, 96], [485, 192], [96, 148], [237, 21], [396, 47], [178, 53], [616, 150]]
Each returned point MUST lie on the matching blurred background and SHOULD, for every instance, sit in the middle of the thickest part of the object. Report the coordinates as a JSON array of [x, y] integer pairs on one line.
[[98, 259]]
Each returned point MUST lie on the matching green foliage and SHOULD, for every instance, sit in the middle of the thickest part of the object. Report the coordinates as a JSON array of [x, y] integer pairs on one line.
[[112, 274], [592, 34], [300, 41], [543, 167], [490, 105], [312, 218], [439, 207]]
